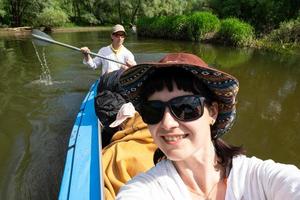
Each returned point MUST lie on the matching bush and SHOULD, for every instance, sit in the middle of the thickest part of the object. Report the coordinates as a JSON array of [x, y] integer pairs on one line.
[[179, 28], [201, 24], [235, 32], [196, 26], [52, 17], [288, 32], [90, 19], [144, 26], [157, 27]]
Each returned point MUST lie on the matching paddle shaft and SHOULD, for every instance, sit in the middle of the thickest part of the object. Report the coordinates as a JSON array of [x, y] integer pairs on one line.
[[72, 47]]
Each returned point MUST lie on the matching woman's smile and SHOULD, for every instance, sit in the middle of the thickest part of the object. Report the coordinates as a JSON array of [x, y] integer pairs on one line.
[[173, 139]]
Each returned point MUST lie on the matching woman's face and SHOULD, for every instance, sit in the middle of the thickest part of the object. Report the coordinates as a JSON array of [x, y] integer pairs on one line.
[[177, 139]]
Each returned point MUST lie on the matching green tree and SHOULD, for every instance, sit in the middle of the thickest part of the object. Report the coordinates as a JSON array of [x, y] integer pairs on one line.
[[151, 8], [129, 10], [264, 15], [52, 17], [2, 13], [197, 5], [90, 19], [16, 9], [22, 12], [25, 12], [106, 11], [123, 12]]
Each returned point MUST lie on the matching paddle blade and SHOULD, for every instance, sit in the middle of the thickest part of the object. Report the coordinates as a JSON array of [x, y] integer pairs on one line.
[[40, 38]]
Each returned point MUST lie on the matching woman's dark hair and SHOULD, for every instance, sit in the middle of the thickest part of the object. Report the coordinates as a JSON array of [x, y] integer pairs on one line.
[[185, 80]]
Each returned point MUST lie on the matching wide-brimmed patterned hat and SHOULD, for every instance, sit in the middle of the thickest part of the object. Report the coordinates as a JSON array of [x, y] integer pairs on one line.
[[224, 86]]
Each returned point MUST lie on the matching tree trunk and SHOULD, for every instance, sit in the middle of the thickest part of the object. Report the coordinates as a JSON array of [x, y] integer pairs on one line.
[[76, 11], [17, 9], [134, 13], [120, 14], [14, 5]]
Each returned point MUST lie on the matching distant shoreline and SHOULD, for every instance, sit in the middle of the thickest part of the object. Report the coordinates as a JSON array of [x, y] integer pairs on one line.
[[26, 30]]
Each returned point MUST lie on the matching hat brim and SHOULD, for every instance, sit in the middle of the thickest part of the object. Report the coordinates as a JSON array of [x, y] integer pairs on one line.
[[223, 85], [119, 31]]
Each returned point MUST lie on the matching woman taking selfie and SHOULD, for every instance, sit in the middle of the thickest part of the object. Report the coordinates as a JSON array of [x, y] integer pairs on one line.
[[188, 106]]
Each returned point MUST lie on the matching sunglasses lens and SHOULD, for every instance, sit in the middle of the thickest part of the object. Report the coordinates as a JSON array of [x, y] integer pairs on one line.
[[152, 111], [187, 108], [183, 108], [119, 35]]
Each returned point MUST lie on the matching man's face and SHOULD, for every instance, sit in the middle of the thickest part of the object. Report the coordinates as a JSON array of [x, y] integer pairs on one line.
[[118, 37]]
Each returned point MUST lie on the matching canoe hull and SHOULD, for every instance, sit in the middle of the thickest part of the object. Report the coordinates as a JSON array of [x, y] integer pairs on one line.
[[81, 178]]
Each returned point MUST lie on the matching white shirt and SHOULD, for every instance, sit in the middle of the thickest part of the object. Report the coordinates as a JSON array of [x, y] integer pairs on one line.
[[122, 55], [249, 179]]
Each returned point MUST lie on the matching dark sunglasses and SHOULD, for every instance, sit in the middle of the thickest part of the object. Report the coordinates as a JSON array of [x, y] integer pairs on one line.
[[184, 108], [119, 34]]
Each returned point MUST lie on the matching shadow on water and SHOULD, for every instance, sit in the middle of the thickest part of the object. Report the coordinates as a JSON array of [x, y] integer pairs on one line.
[[36, 117]]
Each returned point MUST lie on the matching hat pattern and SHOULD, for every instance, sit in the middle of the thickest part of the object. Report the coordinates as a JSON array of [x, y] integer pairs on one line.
[[224, 86]]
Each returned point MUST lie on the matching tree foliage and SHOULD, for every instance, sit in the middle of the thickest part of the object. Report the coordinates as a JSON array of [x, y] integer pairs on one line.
[[2, 13], [264, 15], [51, 17], [288, 32], [154, 8], [89, 18]]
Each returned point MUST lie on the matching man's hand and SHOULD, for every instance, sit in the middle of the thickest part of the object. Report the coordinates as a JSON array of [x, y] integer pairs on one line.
[[129, 63], [85, 51]]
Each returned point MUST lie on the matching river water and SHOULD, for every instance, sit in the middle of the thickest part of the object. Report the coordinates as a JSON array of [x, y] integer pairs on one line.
[[39, 100]]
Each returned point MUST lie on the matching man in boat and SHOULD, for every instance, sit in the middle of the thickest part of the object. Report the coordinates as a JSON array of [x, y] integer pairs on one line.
[[115, 51], [108, 100]]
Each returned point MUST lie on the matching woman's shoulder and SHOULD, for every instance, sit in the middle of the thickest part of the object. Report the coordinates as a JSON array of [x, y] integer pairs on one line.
[[244, 162], [249, 169], [250, 174]]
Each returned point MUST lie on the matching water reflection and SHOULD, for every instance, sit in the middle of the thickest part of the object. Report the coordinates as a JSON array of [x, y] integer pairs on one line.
[[36, 118], [268, 112]]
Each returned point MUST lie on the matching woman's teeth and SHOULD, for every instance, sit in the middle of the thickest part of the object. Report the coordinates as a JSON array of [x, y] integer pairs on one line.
[[173, 138]]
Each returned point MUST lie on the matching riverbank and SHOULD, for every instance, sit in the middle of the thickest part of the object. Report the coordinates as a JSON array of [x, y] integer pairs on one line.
[[291, 48], [27, 30]]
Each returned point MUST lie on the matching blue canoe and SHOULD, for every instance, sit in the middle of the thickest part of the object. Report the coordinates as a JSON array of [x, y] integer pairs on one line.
[[82, 172]]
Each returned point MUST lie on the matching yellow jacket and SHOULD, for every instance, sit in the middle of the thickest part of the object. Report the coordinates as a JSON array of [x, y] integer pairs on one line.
[[129, 153]]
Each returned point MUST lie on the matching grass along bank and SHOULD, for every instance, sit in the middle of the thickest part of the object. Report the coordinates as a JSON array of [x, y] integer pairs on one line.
[[207, 27]]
